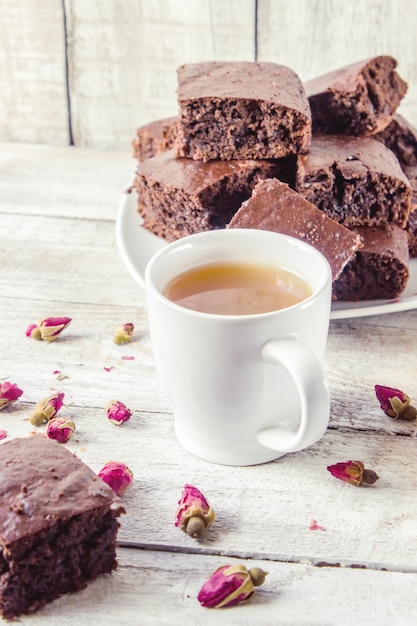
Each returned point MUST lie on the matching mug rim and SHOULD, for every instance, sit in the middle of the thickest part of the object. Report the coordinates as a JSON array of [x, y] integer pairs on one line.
[[186, 241]]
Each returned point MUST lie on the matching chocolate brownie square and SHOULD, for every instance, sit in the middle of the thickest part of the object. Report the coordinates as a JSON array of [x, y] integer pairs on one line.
[[154, 138], [358, 99], [241, 110], [401, 137], [356, 181], [178, 197], [57, 524], [379, 269], [274, 206]]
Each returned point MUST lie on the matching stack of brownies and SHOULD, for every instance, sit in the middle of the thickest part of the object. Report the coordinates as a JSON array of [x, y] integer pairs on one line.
[[328, 161]]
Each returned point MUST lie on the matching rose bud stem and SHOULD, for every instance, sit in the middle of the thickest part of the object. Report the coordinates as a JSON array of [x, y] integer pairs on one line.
[[369, 477], [195, 527], [258, 576]]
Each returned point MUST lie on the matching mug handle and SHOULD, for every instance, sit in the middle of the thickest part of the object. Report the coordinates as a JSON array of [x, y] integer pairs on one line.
[[308, 376]]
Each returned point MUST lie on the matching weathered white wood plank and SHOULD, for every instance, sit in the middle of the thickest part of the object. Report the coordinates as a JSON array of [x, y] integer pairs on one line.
[[123, 58], [65, 182], [86, 348], [161, 588], [263, 511], [65, 266], [33, 103], [358, 357], [58, 256], [316, 37]]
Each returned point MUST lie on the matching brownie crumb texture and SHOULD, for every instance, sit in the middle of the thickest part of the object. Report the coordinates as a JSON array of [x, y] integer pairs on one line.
[[355, 181], [400, 136], [179, 197], [379, 269], [154, 138], [58, 524], [358, 99], [241, 110], [241, 123], [411, 228]]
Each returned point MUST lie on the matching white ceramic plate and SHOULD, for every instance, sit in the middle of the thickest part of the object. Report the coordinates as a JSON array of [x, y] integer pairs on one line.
[[137, 245]]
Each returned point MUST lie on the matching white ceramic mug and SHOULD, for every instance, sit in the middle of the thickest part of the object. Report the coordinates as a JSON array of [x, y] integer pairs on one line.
[[244, 389]]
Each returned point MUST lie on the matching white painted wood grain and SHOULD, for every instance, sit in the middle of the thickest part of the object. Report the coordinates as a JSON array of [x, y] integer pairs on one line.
[[33, 102], [123, 57], [317, 37], [161, 588], [263, 511], [65, 182]]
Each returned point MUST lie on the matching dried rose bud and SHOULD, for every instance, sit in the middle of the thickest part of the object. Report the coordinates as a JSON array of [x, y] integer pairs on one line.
[[33, 331], [60, 429], [117, 475], [353, 472], [48, 329], [9, 393], [194, 513], [124, 333], [395, 403], [229, 585], [46, 409], [117, 412]]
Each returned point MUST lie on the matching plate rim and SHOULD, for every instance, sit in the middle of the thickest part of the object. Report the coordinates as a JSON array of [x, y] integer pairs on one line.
[[365, 308]]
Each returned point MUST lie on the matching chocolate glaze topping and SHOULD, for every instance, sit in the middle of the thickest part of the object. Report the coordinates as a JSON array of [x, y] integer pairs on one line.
[[390, 240], [189, 175], [274, 206], [268, 82], [42, 481], [344, 79], [355, 156]]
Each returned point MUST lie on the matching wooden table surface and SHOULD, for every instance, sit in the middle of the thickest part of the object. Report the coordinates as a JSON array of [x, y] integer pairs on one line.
[[58, 257]]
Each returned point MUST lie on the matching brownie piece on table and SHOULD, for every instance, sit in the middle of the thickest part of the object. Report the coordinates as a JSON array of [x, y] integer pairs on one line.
[[241, 110], [154, 138], [274, 206], [356, 181], [178, 197], [379, 269], [358, 99], [57, 524], [401, 137]]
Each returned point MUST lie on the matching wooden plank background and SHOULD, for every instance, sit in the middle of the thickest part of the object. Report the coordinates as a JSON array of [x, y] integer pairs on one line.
[[89, 73]]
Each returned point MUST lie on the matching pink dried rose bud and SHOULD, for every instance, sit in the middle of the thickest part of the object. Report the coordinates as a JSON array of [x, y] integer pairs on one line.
[[9, 393], [47, 408], [60, 429], [117, 412], [124, 333], [230, 585], [48, 329], [117, 475], [395, 403], [194, 513], [353, 472]]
